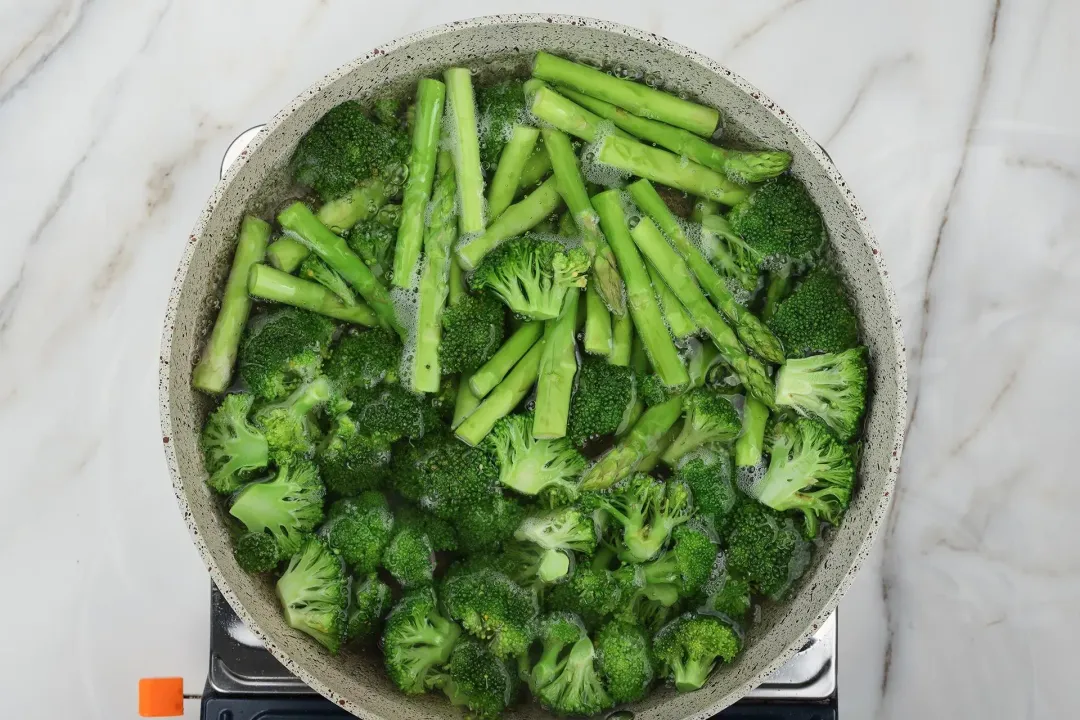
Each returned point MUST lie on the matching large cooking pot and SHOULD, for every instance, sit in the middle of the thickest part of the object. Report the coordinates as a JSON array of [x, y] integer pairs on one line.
[[357, 682]]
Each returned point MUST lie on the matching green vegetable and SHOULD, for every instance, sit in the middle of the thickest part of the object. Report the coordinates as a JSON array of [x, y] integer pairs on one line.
[[362, 360], [624, 657], [373, 240], [726, 251], [441, 532], [830, 387], [492, 607], [677, 318], [622, 340], [532, 276], [214, 370], [257, 552], [765, 548], [559, 112], [519, 148], [627, 455], [501, 110], [316, 271], [492, 372], [708, 474], [597, 324], [461, 109], [485, 525], [360, 204], [290, 425], [749, 446], [416, 641], [817, 317], [662, 167], [558, 533], [687, 649], [728, 595], [472, 333], [602, 400], [557, 633], [266, 283], [233, 449], [358, 530], [710, 418], [283, 350], [444, 475], [558, 366], [370, 602], [779, 222], [515, 220], [410, 557], [288, 507], [503, 398], [593, 592], [477, 679], [646, 511], [394, 412], [530, 466], [352, 461], [777, 288], [314, 592], [575, 688]]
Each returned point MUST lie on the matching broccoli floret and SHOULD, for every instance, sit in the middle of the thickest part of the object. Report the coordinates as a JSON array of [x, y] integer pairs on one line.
[[373, 240], [257, 552], [653, 390], [765, 548], [288, 507], [625, 661], [392, 411], [499, 108], [530, 466], [808, 471], [647, 510], [439, 531], [417, 639], [410, 557], [358, 529], [352, 462], [779, 222], [709, 418], [523, 563], [816, 318], [477, 679], [290, 426], [472, 330], [492, 607], [728, 595], [593, 593], [557, 633], [314, 592], [576, 688], [708, 474], [532, 275], [603, 399], [485, 525], [362, 360], [445, 476], [346, 146], [688, 647], [233, 448], [369, 605], [559, 533], [829, 387], [283, 350]]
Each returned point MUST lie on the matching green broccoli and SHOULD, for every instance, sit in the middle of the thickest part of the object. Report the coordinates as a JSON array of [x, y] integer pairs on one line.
[[829, 387], [350, 461], [647, 510], [710, 418], [728, 595], [557, 633], [345, 147], [472, 330], [362, 360], [358, 530], [709, 476], [289, 506], [290, 426], [257, 552], [315, 270], [531, 275], [373, 241], [369, 604], [410, 557], [559, 533], [394, 412], [688, 647], [765, 548], [809, 471], [439, 531], [233, 448], [653, 390], [817, 317], [603, 398], [530, 466], [593, 593], [314, 592], [416, 640], [445, 476], [283, 350], [477, 679], [779, 222], [485, 525], [492, 607], [575, 688], [524, 563], [625, 659], [499, 108]]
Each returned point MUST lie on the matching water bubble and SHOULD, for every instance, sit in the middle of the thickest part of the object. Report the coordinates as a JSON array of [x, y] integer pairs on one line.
[[653, 79]]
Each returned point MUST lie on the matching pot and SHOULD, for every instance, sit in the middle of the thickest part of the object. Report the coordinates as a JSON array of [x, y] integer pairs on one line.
[[357, 682]]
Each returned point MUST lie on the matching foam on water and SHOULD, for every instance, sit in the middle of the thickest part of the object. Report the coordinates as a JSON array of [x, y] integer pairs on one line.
[[595, 171]]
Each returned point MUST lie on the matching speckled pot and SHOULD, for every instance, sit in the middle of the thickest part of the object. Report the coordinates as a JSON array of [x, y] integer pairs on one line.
[[357, 683]]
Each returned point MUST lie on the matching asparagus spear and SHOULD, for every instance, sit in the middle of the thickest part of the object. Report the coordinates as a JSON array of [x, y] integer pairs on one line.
[[597, 324], [637, 98], [272, 284], [675, 315], [466, 403], [643, 440], [622, 340], [466, 141], [748, 448], [491, 373], [515, 220], [515, 155], [566, 115], [749, 328], [558, 365], [427, 125], [504, 398], [214, 371], [536, 167], [717, 240]]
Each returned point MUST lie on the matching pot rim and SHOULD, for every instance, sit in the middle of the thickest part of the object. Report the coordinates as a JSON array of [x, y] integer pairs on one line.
[[816, 151]]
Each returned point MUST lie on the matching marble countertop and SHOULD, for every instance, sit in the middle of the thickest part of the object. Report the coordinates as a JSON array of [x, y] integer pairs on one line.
[[957, 124]]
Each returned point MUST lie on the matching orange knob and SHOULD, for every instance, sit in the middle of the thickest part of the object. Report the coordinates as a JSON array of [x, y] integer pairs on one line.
[[161, 697]]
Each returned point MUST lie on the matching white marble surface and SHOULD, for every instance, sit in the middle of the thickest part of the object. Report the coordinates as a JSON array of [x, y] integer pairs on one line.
[[957, 124]]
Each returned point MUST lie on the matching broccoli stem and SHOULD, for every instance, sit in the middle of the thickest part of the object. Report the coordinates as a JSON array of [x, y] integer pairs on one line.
[[315, 270], [491, 373], [571, 187], [637, 98], [335, 253], [515, 154], [706, 213], [360, 203], [515, 220], [430, 95], [568, 116], [749, 445], [663, 167], [648, 321], [678, 320], [776, 290], [286, 254], [503, 398], [597, 324], [567, 226], [622, 339], [466, 402], [643, 440], [438, 244], [558, 365], [269, 283], [750, 329], [742, 167], [214, 371], [536, 167], [466, 145], [681, 281]]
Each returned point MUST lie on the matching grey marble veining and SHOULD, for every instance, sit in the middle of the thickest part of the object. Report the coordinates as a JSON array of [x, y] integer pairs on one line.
[[955, 124]]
